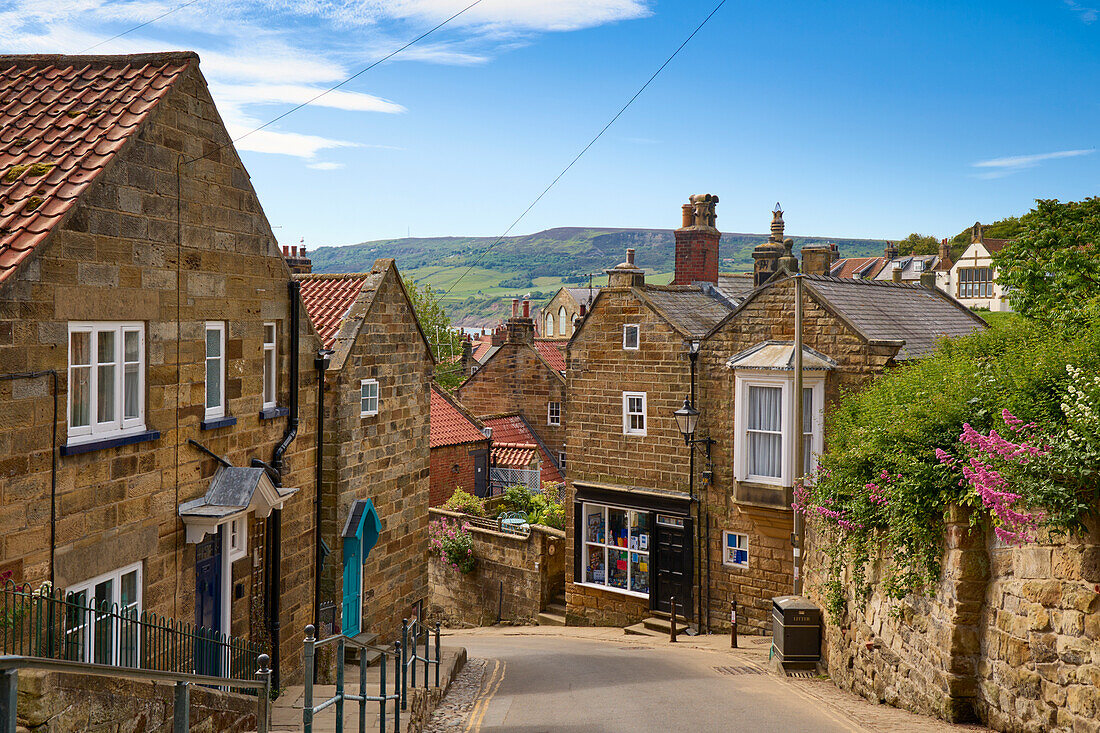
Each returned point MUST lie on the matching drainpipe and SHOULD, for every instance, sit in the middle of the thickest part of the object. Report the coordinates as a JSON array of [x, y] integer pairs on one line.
[[320, 363], [53, 457], [275, 521]]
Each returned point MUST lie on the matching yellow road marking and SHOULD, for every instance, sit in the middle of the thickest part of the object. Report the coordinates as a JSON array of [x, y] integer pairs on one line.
[[486, 685], [477, 716]]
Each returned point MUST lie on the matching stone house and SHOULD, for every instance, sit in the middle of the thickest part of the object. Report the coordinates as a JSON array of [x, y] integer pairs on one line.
[[524, 376], [459, 450], [556, 319], [157, 444], [642, 528], [375, 465]]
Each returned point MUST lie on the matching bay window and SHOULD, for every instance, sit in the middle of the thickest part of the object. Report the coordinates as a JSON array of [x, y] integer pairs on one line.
[[106, 380], [764, 420], [616, 549]]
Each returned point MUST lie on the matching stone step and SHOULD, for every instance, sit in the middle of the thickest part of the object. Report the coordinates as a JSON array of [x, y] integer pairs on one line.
[[641, 630], [549, 618], [556, 607]]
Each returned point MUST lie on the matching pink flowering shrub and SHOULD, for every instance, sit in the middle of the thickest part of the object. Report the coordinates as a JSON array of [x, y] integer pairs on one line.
[[452, 541]]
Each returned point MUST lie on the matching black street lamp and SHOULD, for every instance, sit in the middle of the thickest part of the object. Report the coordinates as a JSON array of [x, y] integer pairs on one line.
[[687, 417]]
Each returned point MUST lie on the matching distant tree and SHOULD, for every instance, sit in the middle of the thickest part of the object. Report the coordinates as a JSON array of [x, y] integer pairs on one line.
[[445, 339], [1006, 228], [1052, 264], [918, 244]]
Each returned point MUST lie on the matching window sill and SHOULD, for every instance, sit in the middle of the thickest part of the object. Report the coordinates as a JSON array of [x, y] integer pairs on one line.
[[612, 589], [368, 414], [218, 422], [270, 413], [115, 442]]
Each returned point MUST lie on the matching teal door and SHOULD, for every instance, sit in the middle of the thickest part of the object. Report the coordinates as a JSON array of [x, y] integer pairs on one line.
[[360, 535]]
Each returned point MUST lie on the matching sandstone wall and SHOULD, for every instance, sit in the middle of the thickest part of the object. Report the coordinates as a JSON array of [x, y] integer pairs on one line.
[[49, 701], [1010, 636], [515, 576]]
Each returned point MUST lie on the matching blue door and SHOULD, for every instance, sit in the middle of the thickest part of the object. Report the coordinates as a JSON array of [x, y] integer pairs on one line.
[[360, 535], [208, 600]]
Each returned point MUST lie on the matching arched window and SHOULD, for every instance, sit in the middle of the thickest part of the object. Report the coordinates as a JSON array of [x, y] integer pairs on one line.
[[549, 325], [563, 327]]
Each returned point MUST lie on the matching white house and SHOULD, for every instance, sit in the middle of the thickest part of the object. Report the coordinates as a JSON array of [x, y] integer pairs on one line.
[[972, 278]]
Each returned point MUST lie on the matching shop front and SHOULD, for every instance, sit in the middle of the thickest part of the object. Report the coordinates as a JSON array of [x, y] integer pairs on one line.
[[636, 543]]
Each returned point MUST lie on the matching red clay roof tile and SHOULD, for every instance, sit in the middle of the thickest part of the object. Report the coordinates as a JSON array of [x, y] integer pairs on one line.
[[328, 299], [511, 429], [514, 455], [448, 426], [72, 113], [552, 354]]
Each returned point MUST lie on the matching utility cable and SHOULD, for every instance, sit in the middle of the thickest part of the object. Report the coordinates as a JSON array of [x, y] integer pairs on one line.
[[331, 89], [139, 26], [586, 147]]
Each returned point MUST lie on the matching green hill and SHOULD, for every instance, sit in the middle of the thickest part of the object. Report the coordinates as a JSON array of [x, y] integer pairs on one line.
[[540, 263]]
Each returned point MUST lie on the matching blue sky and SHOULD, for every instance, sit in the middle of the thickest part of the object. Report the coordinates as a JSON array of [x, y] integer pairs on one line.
[[865, 119]]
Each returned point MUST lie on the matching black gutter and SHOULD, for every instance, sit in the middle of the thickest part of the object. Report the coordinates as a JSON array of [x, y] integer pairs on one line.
[[320, 363], [53, 457], [278, 463]]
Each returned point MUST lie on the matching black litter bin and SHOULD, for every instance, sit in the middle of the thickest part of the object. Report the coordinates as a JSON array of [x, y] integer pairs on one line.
[[796, 632]]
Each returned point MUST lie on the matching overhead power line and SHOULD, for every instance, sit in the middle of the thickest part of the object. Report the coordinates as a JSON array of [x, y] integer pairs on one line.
[[586, 147], [140, 26], [333, 88]]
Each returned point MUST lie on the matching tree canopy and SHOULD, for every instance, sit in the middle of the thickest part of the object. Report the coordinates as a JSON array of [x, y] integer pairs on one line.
[[446, 340], [1052, 265], [918, 244]]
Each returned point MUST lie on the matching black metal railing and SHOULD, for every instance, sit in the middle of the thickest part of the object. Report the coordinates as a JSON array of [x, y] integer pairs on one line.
[[53, 624]]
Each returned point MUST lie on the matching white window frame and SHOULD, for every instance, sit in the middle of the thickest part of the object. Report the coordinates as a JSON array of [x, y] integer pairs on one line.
[[561, 460], [742, 544], [90, 626], [270, 384], [120, 425], [551, 418], [236, 538], [627, 430], [637, 336], [813, 381], [363, 384], [549, 324], [563, 319], [584, 544], [219, 409]]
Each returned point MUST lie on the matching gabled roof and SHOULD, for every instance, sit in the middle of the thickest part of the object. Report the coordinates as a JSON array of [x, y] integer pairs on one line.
[[513, 429], [552, 354], [995, 245], [63, 120], [583, 296], [689, 310], [234, 491], [864, 267], [910, 266], [779, 356], [910, 316], [337, 310], [328, 298], [735, 286], [451, 423]]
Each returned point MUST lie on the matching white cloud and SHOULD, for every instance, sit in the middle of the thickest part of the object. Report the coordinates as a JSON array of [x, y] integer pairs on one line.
[[1088, 15], [1001, 167], [297, 94], [325, 166]]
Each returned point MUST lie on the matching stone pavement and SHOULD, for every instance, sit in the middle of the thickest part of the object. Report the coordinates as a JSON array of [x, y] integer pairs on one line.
[[286, 712], [842, 709]]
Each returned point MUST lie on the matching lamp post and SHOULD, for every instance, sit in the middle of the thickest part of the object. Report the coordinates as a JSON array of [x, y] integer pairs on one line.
[[687, 420]]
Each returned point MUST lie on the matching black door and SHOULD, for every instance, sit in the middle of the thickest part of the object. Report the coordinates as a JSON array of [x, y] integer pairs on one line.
[[208, 591], [674, 556], [481, 472]]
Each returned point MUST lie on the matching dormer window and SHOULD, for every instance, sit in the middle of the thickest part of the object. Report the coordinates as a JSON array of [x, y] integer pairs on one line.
[[631, 336]]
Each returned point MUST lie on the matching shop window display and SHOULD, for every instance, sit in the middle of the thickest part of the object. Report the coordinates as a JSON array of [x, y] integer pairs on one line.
[[617, 548]]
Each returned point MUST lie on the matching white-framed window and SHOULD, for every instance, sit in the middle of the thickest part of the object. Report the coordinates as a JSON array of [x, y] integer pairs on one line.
[[616, 549], [102, 618], [270, 364], [918, 265], [631, 338], [634, 413], [368, 397], [561, 460], [553, 413], [563, 322], [215, 369], [236, 542], [106, 380], [764, 416], [735, 549], [549, 325]]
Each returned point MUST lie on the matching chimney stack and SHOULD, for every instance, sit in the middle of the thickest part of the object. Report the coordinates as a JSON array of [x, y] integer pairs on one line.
[[526, 308], [515, 307], [895, 272], [928, 279], [467, 356], [945, 251], [891, 251], [697, 242], [817, 259], [626, 274], [296, 260], [766, 256], [286, 251], [521, 329]]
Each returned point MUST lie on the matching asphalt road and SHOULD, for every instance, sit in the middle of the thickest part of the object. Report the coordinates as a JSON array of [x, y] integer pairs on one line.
[[566, 685]]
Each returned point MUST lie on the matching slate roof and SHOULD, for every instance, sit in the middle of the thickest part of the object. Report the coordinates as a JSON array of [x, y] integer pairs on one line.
[[327, 299], [552, 354], [909, 269], [779, 356], [686, 307], [450, 423], [887, 311], [513, 429], [583, 295], [63, 119], [735, 286]]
